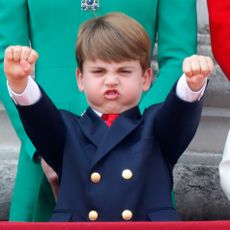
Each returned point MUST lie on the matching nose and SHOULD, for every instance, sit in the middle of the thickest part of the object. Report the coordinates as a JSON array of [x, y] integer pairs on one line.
[[111, 80]]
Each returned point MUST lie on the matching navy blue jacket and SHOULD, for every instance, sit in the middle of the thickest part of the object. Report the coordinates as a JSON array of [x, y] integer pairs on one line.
[[147, 145]]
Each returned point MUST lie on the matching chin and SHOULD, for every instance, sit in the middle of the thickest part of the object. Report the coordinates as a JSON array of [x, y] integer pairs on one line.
[[112, 110]]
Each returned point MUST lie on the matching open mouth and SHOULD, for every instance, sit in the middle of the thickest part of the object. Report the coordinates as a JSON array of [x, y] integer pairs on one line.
[[111, 94]]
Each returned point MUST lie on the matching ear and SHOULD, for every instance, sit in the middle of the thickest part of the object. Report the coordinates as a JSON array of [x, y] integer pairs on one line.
[[79, 77], [147, 79]]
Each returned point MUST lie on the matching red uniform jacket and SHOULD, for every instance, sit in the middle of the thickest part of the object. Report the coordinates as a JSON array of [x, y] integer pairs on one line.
[[219, 20]]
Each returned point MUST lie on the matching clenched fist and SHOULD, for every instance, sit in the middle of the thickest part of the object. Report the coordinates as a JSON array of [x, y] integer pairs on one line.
[[18, 65], [197, 68]]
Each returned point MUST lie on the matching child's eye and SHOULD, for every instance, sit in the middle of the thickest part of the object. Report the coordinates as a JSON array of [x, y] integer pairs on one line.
[[98, 71], [126, 71]]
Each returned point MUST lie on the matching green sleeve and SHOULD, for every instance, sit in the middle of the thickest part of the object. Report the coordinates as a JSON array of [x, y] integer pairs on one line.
[[177, 39], [13, 31]]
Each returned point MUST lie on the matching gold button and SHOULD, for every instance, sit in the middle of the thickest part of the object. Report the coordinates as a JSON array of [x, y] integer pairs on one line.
[[127, 215], [127, 174], [93, 215], [95, 177]]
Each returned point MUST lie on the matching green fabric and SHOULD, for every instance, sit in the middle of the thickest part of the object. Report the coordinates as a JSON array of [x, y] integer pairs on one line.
[[43, 212], [51, 27]]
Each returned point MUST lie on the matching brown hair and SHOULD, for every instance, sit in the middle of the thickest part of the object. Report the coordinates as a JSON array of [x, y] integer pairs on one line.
[[114, 37]]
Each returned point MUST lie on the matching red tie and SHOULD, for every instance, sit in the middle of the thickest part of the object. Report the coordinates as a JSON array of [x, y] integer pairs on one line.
[[109, 118]]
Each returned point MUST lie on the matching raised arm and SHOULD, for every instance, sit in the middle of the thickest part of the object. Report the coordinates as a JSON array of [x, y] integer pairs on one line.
[[41, 119], [179, 116]]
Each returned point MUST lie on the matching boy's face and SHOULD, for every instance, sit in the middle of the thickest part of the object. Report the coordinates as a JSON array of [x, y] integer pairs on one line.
[[113, 87]]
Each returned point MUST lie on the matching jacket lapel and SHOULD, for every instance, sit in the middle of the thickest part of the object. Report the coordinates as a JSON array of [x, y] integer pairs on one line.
[[122, 126], [93, 127]]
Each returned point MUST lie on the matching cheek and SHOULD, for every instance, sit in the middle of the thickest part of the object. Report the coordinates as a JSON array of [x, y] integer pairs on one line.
[[136, 86], [134, 91], [91, 88]]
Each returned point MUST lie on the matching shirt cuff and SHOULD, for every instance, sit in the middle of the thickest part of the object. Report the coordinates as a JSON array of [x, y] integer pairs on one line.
[[29, 96], [185, 93]]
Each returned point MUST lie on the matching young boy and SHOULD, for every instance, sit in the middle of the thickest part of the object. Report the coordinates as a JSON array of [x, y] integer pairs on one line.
[[111, 171]]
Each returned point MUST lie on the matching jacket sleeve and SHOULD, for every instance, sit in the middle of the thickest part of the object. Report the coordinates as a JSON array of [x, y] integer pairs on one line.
[[176, 39], [45, 127], [13, 31], [176, 124], [219, 22]]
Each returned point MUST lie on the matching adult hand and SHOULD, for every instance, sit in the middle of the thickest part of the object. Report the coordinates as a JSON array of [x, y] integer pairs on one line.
[[52, 177]]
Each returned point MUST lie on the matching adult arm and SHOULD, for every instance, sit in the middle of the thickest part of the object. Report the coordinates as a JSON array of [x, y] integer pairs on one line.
[[219, 22], [13, 31]]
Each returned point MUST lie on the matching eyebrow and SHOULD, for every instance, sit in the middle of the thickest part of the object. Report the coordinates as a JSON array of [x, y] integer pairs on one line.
[[104, 67], [126, 67], [91, 68]]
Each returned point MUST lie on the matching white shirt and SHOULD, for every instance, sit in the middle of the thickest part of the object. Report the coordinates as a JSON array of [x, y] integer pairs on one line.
[[224, 168]]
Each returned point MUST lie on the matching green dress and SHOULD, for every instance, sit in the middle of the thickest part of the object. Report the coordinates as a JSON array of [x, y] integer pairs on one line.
[[51, 28]]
